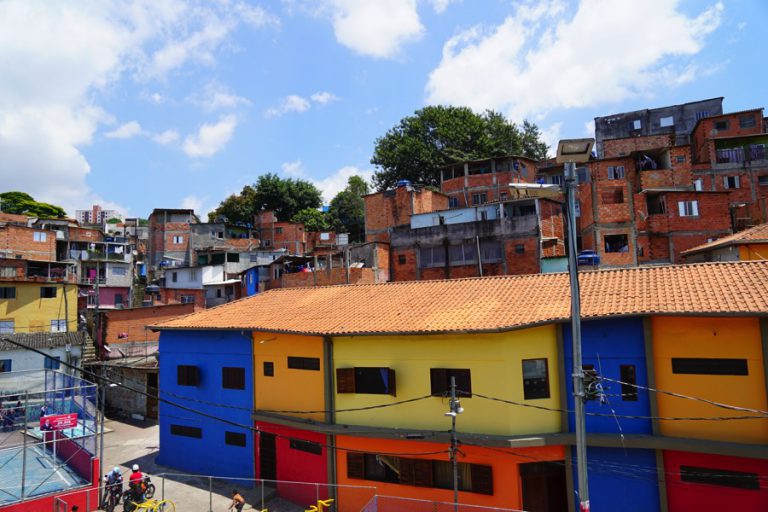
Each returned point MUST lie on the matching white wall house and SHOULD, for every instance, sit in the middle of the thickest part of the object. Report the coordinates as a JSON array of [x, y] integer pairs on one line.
[[64, 346]]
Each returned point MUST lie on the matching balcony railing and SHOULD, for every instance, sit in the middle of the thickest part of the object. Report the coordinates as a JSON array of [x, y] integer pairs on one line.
[[740, 154], [93, 280]]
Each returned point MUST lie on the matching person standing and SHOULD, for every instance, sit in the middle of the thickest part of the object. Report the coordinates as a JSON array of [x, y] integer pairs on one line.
[[238, 502]]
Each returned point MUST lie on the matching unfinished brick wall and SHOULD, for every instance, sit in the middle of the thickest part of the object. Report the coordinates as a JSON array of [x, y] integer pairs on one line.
[[701, 139], [525, 262], [133, 322], [623, 147], [552, 225], [616, 259], [19, 242], [85, 234], [384, 210], [403, 265], [713, 212], [173, 296], [324, 278]]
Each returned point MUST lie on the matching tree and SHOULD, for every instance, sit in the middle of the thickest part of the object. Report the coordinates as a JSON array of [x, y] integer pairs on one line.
[[347, 210], [24, 204], [286, 197], [313, 219], [435, 136]]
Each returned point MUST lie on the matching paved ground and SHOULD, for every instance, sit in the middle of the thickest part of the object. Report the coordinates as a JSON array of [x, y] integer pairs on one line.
[[138, 443]]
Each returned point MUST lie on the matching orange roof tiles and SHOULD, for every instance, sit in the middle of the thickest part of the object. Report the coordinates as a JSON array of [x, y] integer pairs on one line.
[[492, 303], [755, 235]]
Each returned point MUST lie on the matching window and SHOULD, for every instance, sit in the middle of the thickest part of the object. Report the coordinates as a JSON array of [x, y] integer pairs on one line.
[[556, 179], [40, 236], [656, 204], [52, 363], [7, 272], [187, 299], [503, 196], [192, 274], [667, 121], [479, 198], [702, 114], [234, 438], [463, 254], [220, 235], [709, 366], [269, 369], [747, 121], [233, 257], [178, 239], [688, 208], [6, 365], [438, 474], [722, 477], [306, 446], [401, 259], [761, 180], [7, 292], [118, 299], [187, 375], [6, 326], [721, 125], [432, 257], [119, 271], [731, 182], [372, 381], [519, 248], [616, 172], [680, 159], [453, 202], [613, 195], [58, 326], [616, 243], [183, 430], [628, 374], [535, 379], [637, 124], [91, 299], [47, 292], [304, 363], [175, 277], [440, 381], [490, 251], [232, 378], [698, 184]]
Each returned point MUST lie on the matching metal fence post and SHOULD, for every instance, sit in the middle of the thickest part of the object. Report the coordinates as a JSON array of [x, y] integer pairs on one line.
[[210, 494], [162, 487], [262, 494], [317, 492]]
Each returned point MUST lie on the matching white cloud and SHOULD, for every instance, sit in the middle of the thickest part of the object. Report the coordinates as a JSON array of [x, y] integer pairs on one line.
[[589, 128], [125, 131], [59, 57], [324, 97], [551, 136], [210, 138], [218, 97], [166, 137], [330, 185], [291, 103], [375, 29], [441, 5], [157, 98], [609, 50]]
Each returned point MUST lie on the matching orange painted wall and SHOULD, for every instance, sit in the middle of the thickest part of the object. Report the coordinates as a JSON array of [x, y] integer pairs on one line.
[[289, 389], [710, 337], [506, 476], [753, 252]]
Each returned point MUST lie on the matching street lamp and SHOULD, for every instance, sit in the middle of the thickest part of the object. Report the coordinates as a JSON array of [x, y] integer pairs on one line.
[[570, 152], [455, 409]]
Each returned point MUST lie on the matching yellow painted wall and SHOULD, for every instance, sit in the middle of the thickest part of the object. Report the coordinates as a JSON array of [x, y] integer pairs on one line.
[[30, 313], [710, 337], [495, 361], [753, 252], [289, 389]]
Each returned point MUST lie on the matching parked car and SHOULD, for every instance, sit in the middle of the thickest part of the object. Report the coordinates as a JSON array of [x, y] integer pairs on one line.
[[588, 258]]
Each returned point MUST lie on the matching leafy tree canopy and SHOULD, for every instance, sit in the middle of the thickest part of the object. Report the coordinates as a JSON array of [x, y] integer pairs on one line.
[[347, 210], [436, 136], [286, 197], [114, 220], [313, 219], [24, 204]]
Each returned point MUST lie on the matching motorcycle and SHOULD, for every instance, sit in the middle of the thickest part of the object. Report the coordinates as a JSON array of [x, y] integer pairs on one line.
[[112, 494]]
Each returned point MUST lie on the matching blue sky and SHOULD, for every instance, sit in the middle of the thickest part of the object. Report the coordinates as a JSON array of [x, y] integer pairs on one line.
[[164, 103]]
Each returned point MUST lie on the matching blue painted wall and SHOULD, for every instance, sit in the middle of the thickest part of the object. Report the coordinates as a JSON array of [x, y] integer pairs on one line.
[[251, 281], [210, 351], [619, 479], [616, 342]]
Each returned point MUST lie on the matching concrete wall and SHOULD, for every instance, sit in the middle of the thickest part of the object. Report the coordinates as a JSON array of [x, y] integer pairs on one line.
[[27, 360], [186, 278]]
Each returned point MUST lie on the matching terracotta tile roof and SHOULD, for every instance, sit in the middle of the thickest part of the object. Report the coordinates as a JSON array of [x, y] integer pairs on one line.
[[492, 303], [755, 235]]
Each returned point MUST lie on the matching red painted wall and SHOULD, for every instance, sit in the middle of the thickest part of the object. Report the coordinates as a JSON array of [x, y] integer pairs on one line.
[[76, 457], [297, 465], [695, 497]]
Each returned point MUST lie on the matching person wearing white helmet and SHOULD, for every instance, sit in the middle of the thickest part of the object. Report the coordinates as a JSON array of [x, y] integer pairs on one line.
[[136, 483], [113, 485]]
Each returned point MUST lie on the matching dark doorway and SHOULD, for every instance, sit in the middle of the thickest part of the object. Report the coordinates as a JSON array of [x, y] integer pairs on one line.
[[151, 411], [544, 487], [267, 456]]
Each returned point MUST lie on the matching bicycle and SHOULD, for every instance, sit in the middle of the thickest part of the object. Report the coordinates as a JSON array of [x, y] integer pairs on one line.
[[149, 506], [321, 504]]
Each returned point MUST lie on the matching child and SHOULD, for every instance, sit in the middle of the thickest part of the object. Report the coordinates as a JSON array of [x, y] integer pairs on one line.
[[238, 502]]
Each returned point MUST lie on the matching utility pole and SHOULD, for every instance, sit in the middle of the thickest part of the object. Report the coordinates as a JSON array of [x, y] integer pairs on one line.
[[578, 371], [455, 410]]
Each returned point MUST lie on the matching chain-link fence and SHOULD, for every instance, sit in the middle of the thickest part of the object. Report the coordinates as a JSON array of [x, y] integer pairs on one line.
[[34, 461]]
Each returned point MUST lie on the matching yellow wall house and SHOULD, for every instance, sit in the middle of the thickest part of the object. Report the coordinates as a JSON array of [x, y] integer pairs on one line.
[[37, 307], [748, 245]]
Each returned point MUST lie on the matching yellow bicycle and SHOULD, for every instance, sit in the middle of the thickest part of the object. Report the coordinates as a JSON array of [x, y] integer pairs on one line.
[[149, 506], [321, 504]]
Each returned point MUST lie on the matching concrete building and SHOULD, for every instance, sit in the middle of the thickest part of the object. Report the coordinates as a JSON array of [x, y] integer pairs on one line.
[[96, 215], [675, 120], [61, 346]]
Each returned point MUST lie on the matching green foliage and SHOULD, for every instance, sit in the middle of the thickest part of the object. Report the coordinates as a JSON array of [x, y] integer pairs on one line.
[[347, 210], [24, 204], [436, 136], [114, 221], [313, 219], [286, 197]]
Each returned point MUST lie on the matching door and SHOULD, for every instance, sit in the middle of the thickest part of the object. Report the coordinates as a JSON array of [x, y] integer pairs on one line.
[[267, 456], [151, 411], [544, 487]]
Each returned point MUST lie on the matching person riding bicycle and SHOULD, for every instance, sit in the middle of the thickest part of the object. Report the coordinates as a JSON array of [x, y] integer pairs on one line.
[[136, 484], [114, 482]]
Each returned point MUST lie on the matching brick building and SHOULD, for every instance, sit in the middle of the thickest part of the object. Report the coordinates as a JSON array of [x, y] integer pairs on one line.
[[23, 242], [275, 234], [477, 182], [169, 237], [391, 208]]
